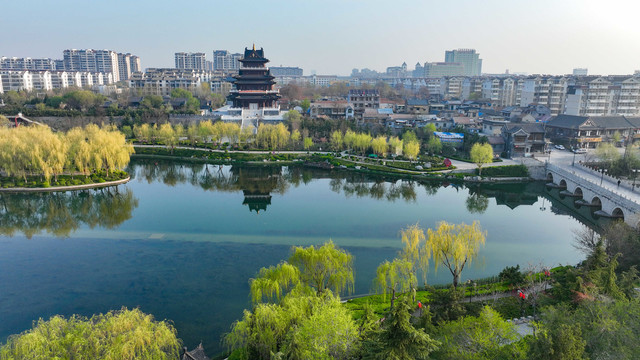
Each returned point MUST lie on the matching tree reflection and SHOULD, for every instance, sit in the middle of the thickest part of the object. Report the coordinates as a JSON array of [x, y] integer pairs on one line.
[[61, 213], [477, 203]]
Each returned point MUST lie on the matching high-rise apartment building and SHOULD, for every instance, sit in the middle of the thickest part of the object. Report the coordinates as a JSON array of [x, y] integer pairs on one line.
[[105, 61], [469, 59], [225, 61], [15, 63], [191, 61]]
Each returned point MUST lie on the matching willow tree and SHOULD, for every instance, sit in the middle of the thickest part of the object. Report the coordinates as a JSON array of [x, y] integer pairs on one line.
[[124, 334], [379, 145], [411, 149], [168, 135], [324, 267], [349, 139], [416, 249], [395, 145], [481, 154], [79, 152], [455, 246], [336, 140], [395, 276], [273, 282]]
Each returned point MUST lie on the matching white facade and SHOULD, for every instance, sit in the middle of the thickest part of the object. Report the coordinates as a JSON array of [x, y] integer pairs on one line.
[[105, 61], [604, 97], [195, 61]]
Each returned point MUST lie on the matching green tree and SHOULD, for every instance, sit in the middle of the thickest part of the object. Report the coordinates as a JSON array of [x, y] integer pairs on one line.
[[434, 145], [607, 153], [305, 105], [398, 339], [481, 154], [395, 276], [411, 149], [487, 336], [124, 334], [307, 142], [379, 145], [325, 267], [455, 245], [336, 140]]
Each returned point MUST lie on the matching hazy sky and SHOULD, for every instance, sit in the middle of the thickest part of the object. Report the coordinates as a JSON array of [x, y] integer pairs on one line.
[[335, 36]]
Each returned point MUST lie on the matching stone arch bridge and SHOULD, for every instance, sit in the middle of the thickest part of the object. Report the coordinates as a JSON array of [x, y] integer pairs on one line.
[[586, 192]]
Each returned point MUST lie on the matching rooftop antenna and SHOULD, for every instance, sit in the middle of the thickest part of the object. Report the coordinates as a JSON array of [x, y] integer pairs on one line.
[[254, 46]]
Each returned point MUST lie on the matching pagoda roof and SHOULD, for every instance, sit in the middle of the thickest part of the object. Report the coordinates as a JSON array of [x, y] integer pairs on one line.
[[253, 55]]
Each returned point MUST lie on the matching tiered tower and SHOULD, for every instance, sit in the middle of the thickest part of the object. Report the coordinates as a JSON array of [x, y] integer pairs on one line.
[[254, 83]]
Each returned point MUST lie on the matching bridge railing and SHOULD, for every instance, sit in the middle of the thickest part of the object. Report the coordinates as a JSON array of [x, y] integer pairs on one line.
[[625, 184], [604, 190]]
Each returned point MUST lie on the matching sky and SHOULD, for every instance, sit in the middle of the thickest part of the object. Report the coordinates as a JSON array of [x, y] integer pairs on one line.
[[334, 36]]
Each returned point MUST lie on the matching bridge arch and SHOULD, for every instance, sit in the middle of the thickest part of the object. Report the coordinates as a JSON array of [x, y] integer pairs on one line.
[[618, 213], [578, 192], [550, 177], [563, 184], [597, 203]]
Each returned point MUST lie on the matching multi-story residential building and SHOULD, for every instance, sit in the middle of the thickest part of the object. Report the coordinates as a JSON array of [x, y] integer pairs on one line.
[[225, 61], [452, 87], [502, 91], [545, 90], [469, 59], [15, 63], [364, 99], [195, 61], [41, 80], [603, 96], [16, 80], [319, 80], [105, 61], [472, 85], [441, 69], [163, 81], [127, 65]]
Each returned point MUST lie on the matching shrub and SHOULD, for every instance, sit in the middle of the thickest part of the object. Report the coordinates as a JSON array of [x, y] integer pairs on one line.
[[46, 184], [505, 171]]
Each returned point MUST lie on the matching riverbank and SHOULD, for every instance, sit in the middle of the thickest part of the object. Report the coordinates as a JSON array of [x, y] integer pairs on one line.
[[65, 188], [397, 168]]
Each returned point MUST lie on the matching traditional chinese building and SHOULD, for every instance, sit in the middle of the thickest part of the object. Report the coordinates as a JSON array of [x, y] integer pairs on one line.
[[253, 101]]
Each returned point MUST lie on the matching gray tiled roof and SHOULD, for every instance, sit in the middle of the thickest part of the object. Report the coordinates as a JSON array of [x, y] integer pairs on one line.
[[567, 121]]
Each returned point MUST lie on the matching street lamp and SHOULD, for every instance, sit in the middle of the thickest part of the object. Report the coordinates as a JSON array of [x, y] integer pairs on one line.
[[602, 178]]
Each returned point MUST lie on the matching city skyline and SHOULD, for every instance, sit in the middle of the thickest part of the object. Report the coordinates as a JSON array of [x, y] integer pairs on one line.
[[333, 37]]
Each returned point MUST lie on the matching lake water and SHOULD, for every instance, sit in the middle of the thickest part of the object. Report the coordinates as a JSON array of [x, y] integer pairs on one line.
[[181, 241]]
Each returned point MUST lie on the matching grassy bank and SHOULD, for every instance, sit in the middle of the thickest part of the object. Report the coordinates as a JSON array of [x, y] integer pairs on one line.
[[38, 181]]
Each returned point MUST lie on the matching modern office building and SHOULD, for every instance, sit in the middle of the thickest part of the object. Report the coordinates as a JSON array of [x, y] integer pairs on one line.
[[191, 61], [469, 59], [440, 69]]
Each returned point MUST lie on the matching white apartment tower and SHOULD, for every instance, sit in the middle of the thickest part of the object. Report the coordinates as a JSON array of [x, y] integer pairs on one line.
[[105, 61], [190, 61]]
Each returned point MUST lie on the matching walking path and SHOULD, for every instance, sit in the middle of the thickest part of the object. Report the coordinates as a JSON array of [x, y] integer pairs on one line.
[[66, 188]]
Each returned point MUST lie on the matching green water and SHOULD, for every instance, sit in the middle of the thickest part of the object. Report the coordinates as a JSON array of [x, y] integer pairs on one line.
[[181, 241]]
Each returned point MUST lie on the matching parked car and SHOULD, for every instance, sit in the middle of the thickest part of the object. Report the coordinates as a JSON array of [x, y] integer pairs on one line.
[[580, 151], [559, 147]]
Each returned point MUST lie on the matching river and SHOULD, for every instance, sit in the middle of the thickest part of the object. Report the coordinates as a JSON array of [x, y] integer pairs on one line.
[[181, 241]]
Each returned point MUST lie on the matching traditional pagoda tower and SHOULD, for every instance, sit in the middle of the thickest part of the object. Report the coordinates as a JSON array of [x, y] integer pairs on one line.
[[254, 100]]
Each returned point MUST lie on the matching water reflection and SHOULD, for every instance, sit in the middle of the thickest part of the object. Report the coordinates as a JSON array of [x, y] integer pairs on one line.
[[259, 182], [61, 213]]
